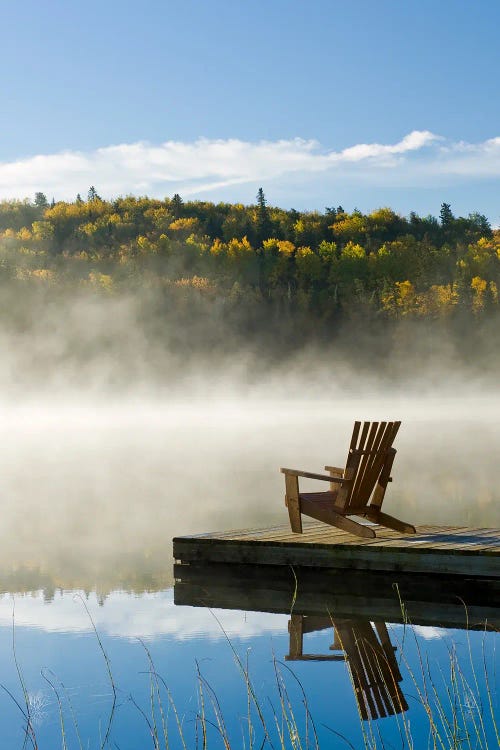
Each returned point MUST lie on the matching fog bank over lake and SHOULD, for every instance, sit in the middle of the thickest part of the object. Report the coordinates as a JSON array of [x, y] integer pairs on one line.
[[94, 490]]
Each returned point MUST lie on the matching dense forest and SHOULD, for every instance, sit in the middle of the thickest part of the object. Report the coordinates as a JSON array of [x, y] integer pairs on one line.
[[257, 266]]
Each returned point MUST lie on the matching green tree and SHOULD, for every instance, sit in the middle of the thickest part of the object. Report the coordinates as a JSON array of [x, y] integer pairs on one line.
[[176, 205], [263, 222], [480, 223], [92, 195], [446, 215], [41, 201]]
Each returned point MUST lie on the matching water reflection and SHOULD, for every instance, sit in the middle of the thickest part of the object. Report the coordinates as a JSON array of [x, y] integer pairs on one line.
[[368, 650], [356, 607], [430, 600], [358, 623]]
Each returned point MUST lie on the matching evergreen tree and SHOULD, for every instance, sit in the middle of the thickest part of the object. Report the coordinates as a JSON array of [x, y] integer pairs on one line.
[[481, 223], [41, 200], [92, 194], [446, 215], [177, 205], [263, 224]]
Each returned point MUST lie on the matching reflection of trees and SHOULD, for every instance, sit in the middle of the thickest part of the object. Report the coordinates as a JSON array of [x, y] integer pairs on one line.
[[124, 575], [369, 653]]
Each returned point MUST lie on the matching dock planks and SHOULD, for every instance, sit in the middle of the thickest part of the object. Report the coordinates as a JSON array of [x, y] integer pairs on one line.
[[440, 550]]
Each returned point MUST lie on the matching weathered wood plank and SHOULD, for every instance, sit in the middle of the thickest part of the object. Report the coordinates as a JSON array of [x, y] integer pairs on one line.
[[433, 549], [485, 564]]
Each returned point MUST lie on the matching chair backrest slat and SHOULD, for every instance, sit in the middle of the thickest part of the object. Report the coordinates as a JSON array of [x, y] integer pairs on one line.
[[380, 448], [365, 461], [377, 447], [353, 463], [364, 434], [367, 455], [354, 438]]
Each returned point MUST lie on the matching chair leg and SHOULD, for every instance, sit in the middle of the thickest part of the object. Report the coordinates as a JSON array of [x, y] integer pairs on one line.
[[353, 527], [293, 503], [384, 519], [327, 515]]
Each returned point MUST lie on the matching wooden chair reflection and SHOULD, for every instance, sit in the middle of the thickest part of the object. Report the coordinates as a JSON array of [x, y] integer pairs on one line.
[[356, 490], [369, 653]]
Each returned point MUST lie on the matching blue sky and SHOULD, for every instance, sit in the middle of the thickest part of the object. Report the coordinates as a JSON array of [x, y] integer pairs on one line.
[[317, 102]]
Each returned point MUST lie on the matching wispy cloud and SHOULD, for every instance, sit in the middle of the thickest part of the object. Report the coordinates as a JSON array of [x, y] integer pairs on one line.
[[205, 166], [126, 616]]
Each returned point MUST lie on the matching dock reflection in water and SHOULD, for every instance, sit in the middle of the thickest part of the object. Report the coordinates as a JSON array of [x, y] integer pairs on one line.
[[369, 653], [356, 606]]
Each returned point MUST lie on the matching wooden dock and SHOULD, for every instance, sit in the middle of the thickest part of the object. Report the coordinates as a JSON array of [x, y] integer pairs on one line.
[[433, 550]]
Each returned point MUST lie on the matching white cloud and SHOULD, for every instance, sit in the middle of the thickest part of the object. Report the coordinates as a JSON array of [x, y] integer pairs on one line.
[[125, 616], [427, 632], [411, 142], [205, 166], [152, 615]]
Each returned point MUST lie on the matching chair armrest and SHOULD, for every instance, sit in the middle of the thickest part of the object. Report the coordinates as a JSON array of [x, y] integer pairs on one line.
[[311, 475], [336, 470]]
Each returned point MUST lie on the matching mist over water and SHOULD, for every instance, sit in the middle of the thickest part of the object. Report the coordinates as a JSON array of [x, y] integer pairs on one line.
[[92, 493], [120, 430], [115, 439]]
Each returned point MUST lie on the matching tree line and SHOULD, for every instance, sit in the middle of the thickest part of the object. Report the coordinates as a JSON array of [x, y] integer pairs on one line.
[[326, 265]]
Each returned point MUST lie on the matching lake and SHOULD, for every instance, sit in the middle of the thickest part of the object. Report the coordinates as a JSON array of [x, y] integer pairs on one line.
[[93, 491]]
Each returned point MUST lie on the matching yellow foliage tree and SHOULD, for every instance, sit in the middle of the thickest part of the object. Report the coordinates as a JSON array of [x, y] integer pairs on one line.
[[182, 228], [479, 287], [43, 274], [350, 229], [482, 259], [353, 250], [403, 301], [100, 281], [400, 300], [238, 250], [145, 246], [438, 302], [309, 266], [218, 249]]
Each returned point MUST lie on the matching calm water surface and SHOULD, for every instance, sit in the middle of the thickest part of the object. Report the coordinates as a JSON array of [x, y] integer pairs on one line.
[[55, 641], [92, 496]]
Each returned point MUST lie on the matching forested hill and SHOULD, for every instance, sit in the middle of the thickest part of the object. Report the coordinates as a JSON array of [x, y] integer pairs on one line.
[[329, 265]]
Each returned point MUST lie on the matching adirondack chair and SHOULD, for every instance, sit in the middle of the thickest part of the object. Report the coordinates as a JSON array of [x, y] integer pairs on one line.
[[357, 490], [369, 653]]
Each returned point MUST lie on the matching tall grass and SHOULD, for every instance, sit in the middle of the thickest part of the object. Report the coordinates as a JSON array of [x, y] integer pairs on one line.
[[458, 704]]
